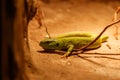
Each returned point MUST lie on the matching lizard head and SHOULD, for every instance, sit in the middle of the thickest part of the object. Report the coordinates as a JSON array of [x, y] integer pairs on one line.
[[49, 44]]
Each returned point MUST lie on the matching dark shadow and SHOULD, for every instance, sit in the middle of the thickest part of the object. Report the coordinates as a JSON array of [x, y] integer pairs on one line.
[[76, 53], [95, 55], [85, 58], [99, 57], [90, 53], [96, 63], [52, 52]]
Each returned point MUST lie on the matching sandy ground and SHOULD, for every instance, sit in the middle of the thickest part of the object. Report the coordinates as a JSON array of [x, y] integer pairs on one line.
[[62, 16]]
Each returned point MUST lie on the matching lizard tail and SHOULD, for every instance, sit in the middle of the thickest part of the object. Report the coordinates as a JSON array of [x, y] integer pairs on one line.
[[104, 38]]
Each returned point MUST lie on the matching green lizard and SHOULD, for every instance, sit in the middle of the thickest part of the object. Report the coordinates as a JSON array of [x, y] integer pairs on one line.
[[76, 40], [71, 41]]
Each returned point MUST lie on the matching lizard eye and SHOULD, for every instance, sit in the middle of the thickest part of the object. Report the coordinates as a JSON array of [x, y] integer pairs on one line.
[[48, 42], [57, 44]]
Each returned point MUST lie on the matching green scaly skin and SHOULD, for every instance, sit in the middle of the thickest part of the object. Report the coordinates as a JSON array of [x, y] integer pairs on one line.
[[69, 42]]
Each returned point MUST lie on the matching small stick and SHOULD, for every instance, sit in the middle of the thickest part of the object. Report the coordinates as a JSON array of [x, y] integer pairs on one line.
[[115, 19], [83, 48], [42, 16], [108, 46]]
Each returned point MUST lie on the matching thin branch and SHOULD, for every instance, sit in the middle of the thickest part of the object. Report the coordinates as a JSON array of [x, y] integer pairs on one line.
[[43, 17], [83, 48], [40, 15]]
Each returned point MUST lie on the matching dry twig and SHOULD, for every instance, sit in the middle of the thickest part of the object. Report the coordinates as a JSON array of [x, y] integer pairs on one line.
[[40, 17], [83, 48]]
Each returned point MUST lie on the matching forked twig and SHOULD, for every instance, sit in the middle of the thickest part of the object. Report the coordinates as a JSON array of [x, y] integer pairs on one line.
[[40, 15], [43, 18], [83, 48]]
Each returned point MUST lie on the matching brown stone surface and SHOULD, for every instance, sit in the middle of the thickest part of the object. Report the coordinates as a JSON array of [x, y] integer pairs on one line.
[[62, 16]]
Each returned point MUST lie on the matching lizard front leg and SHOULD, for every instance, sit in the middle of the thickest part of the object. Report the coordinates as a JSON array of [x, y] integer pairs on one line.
[[70, 48]]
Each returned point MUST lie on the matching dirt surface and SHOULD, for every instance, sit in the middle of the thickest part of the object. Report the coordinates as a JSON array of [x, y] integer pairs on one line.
[[62, 16]]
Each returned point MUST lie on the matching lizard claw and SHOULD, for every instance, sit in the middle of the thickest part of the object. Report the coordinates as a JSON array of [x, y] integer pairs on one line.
[[65, 56]]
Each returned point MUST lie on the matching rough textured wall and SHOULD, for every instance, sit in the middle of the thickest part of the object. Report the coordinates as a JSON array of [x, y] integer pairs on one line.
[[15, 17]]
